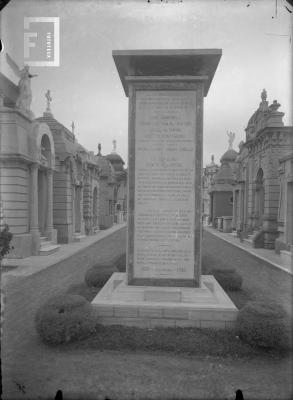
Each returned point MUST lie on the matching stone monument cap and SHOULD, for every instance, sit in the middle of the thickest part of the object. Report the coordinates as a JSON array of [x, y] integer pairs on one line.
[[193, 62]]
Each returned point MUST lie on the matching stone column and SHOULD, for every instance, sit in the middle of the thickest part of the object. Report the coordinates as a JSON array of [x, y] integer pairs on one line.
[[50, 204], [34, 217], [235, 207]]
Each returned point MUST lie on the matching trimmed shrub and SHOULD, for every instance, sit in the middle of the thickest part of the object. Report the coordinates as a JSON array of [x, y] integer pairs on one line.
[[5, 239], [120, 263], [229, 279], [64, 319], [264, 325], [99, 274]]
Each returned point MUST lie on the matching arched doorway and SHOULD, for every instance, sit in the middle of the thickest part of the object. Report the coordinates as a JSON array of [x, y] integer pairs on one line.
[[259, 198]]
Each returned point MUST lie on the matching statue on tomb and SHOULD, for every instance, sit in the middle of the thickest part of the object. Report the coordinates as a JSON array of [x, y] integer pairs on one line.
[[25, 94], [114, 146], [49, 99], [231, 137], [264, 95], [99, 149]]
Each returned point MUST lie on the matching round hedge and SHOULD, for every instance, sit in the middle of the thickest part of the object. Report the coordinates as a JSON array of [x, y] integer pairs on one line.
[[64, 319], [264, 325], [99, 274], [229, 279]]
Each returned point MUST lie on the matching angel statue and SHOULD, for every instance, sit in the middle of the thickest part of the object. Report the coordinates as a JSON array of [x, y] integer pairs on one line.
[[24, 99], [231, 137]]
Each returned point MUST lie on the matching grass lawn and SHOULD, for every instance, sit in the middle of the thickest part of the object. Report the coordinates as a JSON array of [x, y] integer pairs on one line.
[[192, 341], [127, 363]]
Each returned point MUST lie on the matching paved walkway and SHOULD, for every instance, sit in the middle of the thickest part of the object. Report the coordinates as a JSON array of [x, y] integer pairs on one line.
[[266, 255], [31, 265], [24, 292], [262, 280]]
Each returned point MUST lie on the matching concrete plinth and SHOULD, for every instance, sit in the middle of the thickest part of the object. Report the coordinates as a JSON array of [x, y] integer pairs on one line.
[[207, 306]]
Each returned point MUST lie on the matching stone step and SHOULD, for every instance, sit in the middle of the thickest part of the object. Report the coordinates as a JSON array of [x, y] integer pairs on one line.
[[46, 243], [50, 249], [248, 241], [78, 237], [43, 239]]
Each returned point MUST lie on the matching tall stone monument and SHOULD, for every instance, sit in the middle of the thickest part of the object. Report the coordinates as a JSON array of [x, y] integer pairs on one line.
[[163, 283]]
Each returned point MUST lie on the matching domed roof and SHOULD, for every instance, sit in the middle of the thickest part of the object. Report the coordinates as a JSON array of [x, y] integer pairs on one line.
[[230, 155], [224, 175], [114, 157], [105, 165]]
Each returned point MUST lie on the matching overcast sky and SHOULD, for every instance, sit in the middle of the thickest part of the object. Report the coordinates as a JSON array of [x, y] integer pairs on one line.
[[253, 35]]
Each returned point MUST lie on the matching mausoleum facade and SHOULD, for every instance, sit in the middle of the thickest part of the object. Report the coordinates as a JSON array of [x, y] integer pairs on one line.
[[52, 189], [257, 187]]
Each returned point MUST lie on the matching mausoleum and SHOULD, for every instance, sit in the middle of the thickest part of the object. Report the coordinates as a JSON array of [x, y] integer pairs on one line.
[[221, 188], [52, 189], [257, 188]]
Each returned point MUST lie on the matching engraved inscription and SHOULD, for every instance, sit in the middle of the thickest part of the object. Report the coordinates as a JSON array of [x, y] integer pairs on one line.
[[164, 184]]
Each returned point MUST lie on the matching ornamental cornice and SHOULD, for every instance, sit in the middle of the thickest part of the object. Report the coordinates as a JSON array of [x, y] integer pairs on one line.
[[268, 137]]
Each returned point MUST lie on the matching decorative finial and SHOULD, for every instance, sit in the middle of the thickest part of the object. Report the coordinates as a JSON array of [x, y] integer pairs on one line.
[[275, 105], [264, 95], [231, 137], [213, 159], [114, 146], [99, 149], [72, 127], [49, 99]]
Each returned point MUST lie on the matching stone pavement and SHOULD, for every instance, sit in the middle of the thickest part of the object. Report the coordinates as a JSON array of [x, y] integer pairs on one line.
[[31, 265], [266, 255]]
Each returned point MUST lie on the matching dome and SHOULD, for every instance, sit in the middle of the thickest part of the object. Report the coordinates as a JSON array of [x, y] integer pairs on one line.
[[114, 157], [105, 166], [116, 161], [224, 175], [230, 156]]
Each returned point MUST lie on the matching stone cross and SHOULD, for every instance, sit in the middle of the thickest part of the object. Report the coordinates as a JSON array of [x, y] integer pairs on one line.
[[49, 99], [231, 137]]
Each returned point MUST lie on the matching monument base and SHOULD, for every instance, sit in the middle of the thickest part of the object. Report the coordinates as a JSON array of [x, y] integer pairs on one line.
[[148, 307]]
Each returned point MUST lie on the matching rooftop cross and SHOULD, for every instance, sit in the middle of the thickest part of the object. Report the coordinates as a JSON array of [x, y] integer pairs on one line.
[[49, 99]]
